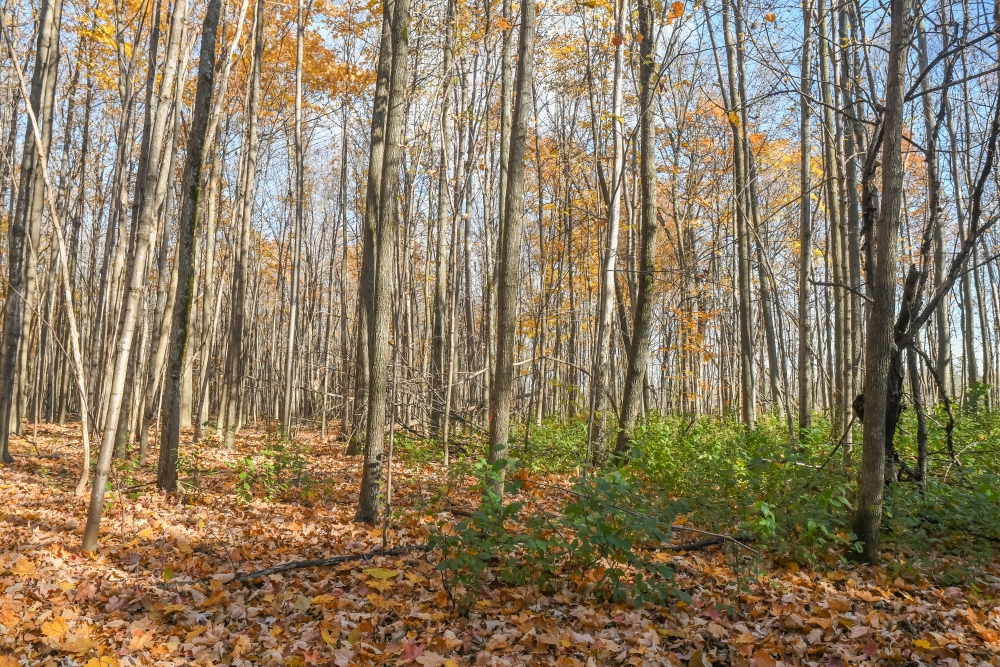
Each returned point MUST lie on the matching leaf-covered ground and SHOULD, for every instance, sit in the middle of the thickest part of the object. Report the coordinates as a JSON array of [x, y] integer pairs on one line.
[[161, 591]]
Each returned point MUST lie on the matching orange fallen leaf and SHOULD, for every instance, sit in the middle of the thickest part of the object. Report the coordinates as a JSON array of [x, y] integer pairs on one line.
[[762, 658], [986, 634]]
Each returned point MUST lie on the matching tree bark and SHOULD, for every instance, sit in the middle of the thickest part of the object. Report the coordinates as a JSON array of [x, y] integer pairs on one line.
[[235, 354], [444, 248], [383, 237], [191, 184], [805, 227], [135, 287], [27, 218], [638, 351], [597, 434], [880, 343], [366, 280], [509, 250], [293, 306]]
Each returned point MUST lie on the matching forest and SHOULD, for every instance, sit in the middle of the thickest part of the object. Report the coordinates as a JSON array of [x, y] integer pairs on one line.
[[494, 333]]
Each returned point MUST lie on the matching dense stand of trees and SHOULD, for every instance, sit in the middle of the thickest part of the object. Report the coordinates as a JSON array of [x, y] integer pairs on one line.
[[468, 217]]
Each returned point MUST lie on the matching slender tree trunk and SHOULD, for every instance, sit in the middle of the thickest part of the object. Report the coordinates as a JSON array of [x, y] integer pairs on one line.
[[834, 241], [444, 232], [366, 280], [880, 338], [383, 237], [235, 355], [166, 291], [293, 306], [638, 351], [805, 227], [851, 150], [743, 260], [509, 249], [135, 287], [27, 218], [597, 434], [166, 474], [208, 298]]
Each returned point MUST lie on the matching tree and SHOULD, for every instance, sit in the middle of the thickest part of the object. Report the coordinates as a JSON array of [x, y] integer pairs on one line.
[[191, 185], [509, 249], [383, 237], [136, 285], [880, 335], [638, 351], [27, 220]]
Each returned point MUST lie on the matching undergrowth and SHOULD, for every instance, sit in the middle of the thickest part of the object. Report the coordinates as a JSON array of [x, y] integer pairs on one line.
[[795, 498]]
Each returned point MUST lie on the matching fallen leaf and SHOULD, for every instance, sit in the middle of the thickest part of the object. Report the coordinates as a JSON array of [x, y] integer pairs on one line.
[[342, 657], [55, 628], [381, 573], [840, 605], [859, 631], [240, 645], [430, 659], [23, 566], [762, 658], [986, 634], [103, 661], [76, 644]]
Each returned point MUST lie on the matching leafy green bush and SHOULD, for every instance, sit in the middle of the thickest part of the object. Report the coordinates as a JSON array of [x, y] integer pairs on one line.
[[278, 468], [607, 526]]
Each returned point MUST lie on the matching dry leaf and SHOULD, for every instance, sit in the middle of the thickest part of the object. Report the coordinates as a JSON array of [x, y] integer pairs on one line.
[[55, 628], [381, 573], [23, 566]]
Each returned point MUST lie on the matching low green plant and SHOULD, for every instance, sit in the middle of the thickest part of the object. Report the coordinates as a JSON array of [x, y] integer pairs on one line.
[[602, 534], [279, 468]]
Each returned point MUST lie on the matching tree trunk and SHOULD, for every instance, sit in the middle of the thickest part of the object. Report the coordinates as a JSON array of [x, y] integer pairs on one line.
[[293, 306], [135, 287], [235, 355], [166, 474], [444, 232], [27, 218], [834, 240], [880, 346], [638, 351], [744, 296], [397, 13], [366, 280], [805, 227], [509, 250], [597, 434]]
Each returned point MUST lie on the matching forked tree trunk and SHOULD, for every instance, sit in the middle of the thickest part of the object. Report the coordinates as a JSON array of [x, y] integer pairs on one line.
[[384, 236]]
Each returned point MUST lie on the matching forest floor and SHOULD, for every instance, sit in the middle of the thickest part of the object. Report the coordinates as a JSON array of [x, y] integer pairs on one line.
[[161, 588]]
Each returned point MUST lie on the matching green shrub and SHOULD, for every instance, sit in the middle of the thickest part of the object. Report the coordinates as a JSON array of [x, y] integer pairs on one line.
[[606, 526]]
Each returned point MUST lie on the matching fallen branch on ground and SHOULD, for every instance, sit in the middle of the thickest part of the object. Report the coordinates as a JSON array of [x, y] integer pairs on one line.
[[316, 562]]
